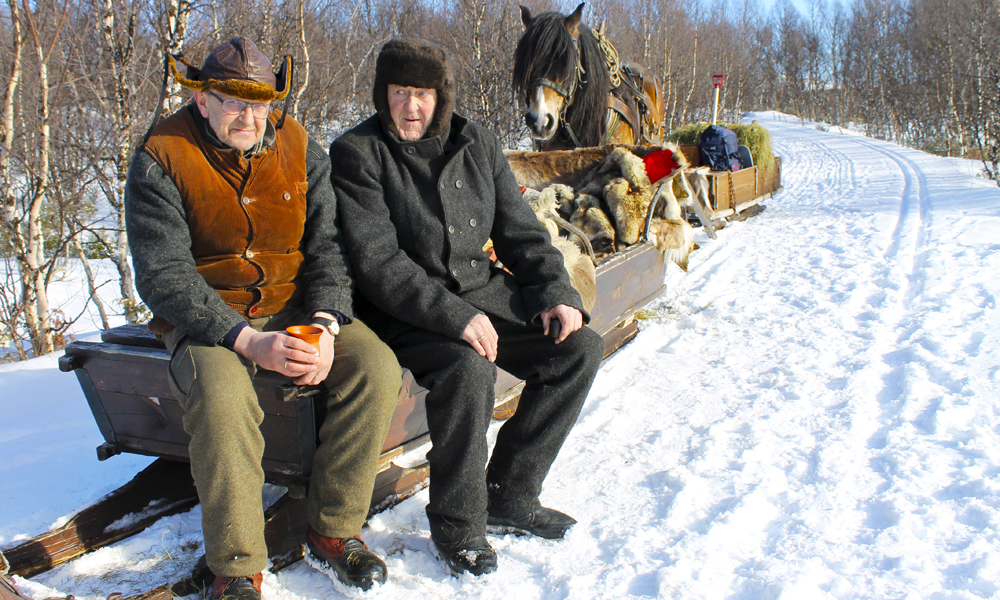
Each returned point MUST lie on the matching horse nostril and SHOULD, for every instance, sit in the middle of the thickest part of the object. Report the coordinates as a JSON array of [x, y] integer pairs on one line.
[[530, 119], [549, 121]]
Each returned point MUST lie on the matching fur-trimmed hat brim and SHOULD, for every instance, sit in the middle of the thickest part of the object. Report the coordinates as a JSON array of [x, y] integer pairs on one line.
[[190, 77]]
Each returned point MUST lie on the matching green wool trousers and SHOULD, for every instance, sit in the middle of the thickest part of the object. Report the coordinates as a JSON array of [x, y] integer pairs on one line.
[[223, 418]]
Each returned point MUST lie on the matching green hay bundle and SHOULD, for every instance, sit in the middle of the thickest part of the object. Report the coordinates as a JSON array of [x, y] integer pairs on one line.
[[752, 136], [758, 140], [687, 135]]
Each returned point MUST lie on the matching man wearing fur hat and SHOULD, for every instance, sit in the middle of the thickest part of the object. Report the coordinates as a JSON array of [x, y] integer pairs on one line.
[[232, 223], [420, 190]]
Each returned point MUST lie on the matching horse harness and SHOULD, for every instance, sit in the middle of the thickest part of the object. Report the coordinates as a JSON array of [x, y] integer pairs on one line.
[[627, 100]]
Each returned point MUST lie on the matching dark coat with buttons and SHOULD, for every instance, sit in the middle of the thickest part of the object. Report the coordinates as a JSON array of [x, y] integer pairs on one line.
[[415, 217]]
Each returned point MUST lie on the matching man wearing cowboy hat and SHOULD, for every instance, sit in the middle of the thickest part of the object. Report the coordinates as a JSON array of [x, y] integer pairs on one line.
[[232, 224], [420, 189]]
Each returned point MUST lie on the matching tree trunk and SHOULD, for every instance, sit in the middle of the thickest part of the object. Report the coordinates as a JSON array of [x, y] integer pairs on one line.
[[305, 62], [119, 46], [178, 18], [91, 281], [34, 263]]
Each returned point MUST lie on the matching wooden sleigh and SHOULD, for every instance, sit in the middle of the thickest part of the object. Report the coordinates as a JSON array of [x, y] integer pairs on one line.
[[124, 379]]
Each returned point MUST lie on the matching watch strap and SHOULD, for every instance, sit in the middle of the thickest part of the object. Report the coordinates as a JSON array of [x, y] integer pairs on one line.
[[331, 325]]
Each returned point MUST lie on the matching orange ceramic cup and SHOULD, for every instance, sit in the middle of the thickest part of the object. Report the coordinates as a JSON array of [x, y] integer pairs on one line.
[[307, 333]]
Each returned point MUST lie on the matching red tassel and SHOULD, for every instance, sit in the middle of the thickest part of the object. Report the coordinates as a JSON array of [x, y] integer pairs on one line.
[[660, 164]]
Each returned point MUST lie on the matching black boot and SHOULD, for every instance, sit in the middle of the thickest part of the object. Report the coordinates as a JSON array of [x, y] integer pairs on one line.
[[543, 522], [350, 558], [236, 588], [471, 554]]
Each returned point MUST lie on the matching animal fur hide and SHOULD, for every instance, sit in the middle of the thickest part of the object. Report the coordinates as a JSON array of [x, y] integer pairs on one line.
[[672, 234], [591, 218], [540, 169], [582, 272], [613, 198], [622, 180]]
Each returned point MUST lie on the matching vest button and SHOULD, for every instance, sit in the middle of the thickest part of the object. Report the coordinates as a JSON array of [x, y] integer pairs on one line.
[[246, 200], [410, 150], [473, 263], [286, 196], [249, 253], [472, 222], [458, 184]]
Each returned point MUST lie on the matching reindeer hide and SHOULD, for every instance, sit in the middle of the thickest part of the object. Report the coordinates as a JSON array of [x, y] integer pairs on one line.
[[595, 223], [541, 169], [582, 272]]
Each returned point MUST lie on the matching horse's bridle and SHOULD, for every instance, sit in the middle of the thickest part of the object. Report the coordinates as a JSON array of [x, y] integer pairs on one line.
[[567, 94]]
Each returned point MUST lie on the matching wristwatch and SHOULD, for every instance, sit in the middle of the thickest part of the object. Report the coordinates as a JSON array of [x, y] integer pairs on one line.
[[331, 325]]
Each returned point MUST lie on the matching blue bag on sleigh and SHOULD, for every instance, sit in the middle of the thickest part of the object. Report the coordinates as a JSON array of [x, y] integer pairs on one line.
[[719, 149]]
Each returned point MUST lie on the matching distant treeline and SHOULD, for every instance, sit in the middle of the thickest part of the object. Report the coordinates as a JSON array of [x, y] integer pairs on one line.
[[81, 81]]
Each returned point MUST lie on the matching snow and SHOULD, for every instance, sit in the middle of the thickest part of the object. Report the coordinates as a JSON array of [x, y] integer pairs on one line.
[[809, 412]]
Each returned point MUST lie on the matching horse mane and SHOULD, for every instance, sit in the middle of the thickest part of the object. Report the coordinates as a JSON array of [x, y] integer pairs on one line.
[[546, 50]]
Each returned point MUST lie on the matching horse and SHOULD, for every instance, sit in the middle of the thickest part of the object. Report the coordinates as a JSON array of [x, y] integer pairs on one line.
[[563, 75]]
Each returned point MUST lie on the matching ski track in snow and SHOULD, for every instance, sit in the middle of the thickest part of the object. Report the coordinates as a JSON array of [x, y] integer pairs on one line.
[[809, 412]]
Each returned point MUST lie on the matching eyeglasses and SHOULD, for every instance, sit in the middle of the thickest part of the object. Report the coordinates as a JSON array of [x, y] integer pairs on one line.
[[236, 107]]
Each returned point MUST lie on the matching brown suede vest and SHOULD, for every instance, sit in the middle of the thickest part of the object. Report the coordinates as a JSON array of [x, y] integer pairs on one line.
[[246, 217]]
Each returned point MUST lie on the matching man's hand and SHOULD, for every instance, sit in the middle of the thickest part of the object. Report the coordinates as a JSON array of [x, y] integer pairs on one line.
[[323, 362], [482, 337], [282, 353], [570, 318]]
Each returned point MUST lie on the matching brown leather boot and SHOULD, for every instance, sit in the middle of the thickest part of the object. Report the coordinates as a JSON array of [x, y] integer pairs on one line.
[[237, 588], [350, 558]]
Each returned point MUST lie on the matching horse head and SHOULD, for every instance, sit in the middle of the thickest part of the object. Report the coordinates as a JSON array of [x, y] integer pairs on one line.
[[560, 76]]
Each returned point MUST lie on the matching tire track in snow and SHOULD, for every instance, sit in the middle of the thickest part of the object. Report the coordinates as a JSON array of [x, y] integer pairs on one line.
[[808, 156]]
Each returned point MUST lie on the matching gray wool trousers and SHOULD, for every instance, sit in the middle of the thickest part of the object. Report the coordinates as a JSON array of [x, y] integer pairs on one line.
[[464, 489]]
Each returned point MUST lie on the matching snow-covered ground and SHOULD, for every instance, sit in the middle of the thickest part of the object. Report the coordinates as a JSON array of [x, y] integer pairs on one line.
[[809, 412]]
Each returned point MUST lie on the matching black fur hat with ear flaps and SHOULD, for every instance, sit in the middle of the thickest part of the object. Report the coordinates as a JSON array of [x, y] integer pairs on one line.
[[237, 68], [413, 62]]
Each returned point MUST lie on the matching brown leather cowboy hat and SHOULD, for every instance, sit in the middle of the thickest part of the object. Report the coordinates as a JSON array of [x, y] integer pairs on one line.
[[237, 68]]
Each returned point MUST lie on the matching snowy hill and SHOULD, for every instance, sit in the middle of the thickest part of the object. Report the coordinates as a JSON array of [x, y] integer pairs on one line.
[[809, 412]]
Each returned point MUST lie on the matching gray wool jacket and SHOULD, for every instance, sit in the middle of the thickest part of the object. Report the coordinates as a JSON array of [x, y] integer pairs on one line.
[[416, 216], [165, 273]]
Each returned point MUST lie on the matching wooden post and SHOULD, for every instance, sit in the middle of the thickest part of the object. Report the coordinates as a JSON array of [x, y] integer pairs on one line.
[[717, 81]]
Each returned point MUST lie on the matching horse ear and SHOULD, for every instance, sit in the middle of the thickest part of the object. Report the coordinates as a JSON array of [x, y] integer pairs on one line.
[[525, 16], [572, 22]]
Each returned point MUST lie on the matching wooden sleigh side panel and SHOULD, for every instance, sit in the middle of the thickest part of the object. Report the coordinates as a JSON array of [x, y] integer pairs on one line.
[[730, 193]]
